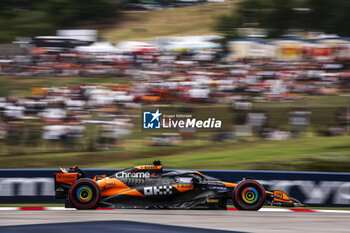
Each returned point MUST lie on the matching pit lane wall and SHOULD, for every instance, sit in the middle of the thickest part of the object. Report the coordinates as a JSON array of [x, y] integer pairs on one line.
[[311, 188]]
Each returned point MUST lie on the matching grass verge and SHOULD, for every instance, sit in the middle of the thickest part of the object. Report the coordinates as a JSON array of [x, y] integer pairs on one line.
[[304, 154], [146, 25]]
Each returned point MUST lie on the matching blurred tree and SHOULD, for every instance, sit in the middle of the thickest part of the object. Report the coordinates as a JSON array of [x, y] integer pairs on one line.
[[31, 23], [43, 17], [70, 12], [278, 17], [331, 16], [227, 25]]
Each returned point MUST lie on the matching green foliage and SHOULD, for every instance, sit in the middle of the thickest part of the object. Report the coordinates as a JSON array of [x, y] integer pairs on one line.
[[66, 12], [280, 16], [30, 17], [227, 25], [303, 154], [331, 16]]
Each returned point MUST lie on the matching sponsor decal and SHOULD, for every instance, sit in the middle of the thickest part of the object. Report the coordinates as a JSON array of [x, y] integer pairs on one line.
[[217, 187], [148, 167], [67, 176], [279, 194], [110, 183], [123, 174], [184, 186], [212, 200], [158, 190]]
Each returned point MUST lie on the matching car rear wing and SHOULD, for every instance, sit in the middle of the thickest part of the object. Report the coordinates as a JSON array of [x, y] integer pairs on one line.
[[63, 181]]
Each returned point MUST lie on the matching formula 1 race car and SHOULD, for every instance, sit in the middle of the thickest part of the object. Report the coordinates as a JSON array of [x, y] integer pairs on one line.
[[148, 187]]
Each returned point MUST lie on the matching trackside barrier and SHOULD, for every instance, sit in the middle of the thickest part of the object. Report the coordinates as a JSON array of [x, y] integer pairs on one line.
[[312, 188]]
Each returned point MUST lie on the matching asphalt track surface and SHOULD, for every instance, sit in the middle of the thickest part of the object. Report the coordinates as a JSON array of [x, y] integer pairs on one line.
[[171, 221]]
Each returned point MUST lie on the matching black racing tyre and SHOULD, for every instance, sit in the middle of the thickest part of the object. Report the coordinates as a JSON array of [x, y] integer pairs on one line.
[[248, 195], [85, 194]]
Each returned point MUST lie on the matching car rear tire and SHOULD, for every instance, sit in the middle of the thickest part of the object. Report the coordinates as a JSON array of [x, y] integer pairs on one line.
[[85, 194], [248, 195]]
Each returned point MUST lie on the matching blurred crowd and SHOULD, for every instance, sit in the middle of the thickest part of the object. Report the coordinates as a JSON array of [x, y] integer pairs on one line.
[[192, 75], [102, 114], [65, 115]]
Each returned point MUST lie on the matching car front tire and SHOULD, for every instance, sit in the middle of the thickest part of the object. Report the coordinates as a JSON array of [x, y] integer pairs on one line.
[[248, 195]]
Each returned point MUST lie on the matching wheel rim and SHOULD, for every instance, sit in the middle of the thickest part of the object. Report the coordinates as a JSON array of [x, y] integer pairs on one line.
[[84, 194], [250, 195]]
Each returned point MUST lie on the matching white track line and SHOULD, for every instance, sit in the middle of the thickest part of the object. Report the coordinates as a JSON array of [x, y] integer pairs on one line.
[[334, 211], [8, 208], [58, 208], [274, 210]]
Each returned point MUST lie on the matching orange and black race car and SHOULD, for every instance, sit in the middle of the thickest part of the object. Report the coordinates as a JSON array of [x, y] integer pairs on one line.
[[147, 186]]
